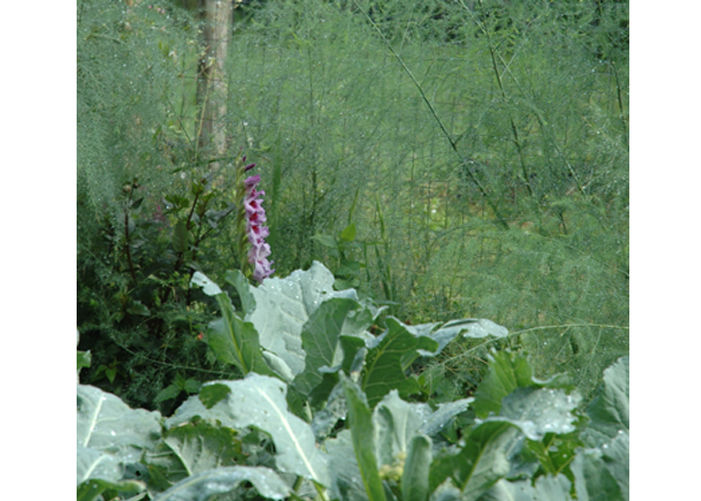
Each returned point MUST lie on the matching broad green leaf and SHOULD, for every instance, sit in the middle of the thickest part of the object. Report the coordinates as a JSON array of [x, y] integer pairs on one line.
[[608, 411], [92, 489], [346, 481], [202, 446], [321, 341], [537, 411], [397, 422], [388, 360], [446, 492], [481, 462], [416, 469], [506, 372], [446, 332], [546, 488], [335, 409], [242, 286], [594, 481], [327, 350], [260, 401], [234, 341], [208, 287], [607, 461], [434, 422], [97, 464], [192, 385], [362, 433], [354, 353], [278, 365], [202, 486], [192, 448], [476, 328], [283, 306], [555, 452], [616, 456], [484, 459], [110, 434]]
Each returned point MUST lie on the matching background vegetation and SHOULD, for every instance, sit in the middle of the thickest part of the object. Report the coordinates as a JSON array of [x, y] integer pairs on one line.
[[450, 158]]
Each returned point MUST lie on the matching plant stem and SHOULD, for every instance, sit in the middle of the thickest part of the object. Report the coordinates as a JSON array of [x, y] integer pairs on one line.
[[620, 102], [127, 245]]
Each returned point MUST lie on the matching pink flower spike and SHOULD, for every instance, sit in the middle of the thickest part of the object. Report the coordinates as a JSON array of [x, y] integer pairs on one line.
[[255, 231]]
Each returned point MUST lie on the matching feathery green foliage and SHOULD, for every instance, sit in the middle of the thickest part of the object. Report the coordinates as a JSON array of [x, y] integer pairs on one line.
[[478, 149]]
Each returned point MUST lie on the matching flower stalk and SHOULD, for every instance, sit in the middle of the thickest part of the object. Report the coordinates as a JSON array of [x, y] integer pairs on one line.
[[253, 250]]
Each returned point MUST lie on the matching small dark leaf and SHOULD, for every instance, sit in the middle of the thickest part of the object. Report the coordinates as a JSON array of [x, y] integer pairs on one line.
[[214, 393], [138, 308], [180, 236], [167, 393], [348, 233], [84, 359], [192, 386], [177, 201], [326, 240]]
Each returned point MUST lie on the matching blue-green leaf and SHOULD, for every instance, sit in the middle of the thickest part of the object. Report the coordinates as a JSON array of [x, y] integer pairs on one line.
[[260, 401], [208, 287], [321, 341], [416, 468], [608, 411], [593, 479], [537, 411], [397, 422], [362, 433], [283, 306], [546, 488], [202, 486], [388, 360], [111, 434]]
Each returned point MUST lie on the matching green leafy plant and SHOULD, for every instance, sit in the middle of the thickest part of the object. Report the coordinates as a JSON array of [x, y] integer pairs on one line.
[[324, 410]]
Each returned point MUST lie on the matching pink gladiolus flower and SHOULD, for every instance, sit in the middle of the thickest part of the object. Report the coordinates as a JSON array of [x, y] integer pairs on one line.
[[255, 231]]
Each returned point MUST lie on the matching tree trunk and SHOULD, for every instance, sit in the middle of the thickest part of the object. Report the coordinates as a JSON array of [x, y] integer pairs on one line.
[[212, 80]]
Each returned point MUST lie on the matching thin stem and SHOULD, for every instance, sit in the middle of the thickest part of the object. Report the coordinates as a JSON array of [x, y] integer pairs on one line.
[[500, 84], [620, 101], [127, 244], [531, 329], [168, 364]]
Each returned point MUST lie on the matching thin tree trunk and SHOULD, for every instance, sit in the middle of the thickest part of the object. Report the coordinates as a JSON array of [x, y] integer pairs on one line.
[[212, 80]]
